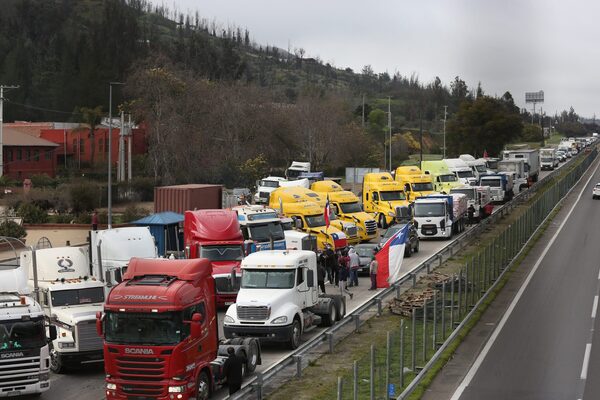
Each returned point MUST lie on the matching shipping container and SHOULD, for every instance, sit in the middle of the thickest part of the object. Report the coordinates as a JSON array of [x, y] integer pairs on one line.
[[181, 198]]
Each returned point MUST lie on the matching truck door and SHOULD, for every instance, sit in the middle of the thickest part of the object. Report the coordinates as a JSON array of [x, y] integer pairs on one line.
[[303, 291]]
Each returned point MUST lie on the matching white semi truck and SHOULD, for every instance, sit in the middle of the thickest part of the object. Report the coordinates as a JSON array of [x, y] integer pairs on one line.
[[279, 298], [70, 298], [111, 250], [477, 196], [548, 158], [265, 187], [24, 351], [440, 216], [532, 161], [517, 170], [463, 172]]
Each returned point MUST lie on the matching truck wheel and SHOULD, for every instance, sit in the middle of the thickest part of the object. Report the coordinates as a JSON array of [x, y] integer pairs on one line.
[[339, 303], [408, 251], [295, 335], [331, 316], [56, 364], [203, 387], [417, 246], [252, 355], [382, 222]]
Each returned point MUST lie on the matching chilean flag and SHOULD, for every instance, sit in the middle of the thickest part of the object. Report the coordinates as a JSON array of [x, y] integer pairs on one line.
[[390, 257], [327, 212]]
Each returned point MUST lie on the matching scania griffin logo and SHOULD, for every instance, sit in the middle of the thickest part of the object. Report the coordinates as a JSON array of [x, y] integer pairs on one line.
[[129, 350], [12, 355]]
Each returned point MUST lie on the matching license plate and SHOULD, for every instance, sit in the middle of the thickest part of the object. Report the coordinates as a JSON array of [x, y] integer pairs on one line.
[[428, 232]]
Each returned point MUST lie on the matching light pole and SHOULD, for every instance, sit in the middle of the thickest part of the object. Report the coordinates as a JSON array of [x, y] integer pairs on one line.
[[445, 115], [110, 85], [2, 89]]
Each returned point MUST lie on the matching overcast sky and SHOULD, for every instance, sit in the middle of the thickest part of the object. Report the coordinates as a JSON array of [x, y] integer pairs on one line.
[[514, 45]]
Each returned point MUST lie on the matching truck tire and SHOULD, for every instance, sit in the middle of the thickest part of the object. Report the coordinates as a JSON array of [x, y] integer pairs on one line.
[[408, 251], [202, 386], [417, 246], [339, 303], [295, 334], [56, 364], [331, 317], [252, 355], [382, 221]]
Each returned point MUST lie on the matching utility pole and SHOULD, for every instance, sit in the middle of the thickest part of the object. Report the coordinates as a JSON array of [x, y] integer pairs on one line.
[[421, 135], [2, 88], [363, 110], [129, 140], [445, 115], [122, 148], [390, 128], [110, 85]]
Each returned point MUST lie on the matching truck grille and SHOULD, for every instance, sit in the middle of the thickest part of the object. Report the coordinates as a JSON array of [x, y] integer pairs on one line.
[[223, 285], [429, 229], [264, 195], [371, 227], [141, 375], [350, 231], [19, 372], [87, 337], [253, 313]]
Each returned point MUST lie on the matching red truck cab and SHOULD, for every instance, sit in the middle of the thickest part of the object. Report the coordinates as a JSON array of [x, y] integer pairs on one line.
[[216, 235], [160, 333]]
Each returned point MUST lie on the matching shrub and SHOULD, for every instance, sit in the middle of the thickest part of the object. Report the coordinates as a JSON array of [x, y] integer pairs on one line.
[[64, 218], [10, 228], [83, 218], [42, 181], [84, 197], [133, 213], [143, 188], [32, 214]]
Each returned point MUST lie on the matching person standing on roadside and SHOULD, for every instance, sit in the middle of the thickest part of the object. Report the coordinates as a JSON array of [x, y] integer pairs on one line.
[[233, 371], [329, 258], [321, 274], [95, 221], [373, 271], [344, 272], [354, 266]]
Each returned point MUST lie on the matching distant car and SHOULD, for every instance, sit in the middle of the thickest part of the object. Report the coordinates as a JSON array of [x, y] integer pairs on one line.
[[365, 253], [561, 156], [596, 192], [412, 244]]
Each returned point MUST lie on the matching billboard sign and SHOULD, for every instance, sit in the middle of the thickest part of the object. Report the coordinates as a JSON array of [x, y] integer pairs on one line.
[[534, 97]]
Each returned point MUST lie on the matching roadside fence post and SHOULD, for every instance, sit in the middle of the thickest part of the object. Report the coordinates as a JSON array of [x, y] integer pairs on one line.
[[355, 382], [443, 311], [329, 336], [434, 334], [298, 360], [356, 318], [258, 385], [424, 332], [372, 374], [452, 303], [379, 311], [339, 388], [388, 348], [401, 354], [467, 276], [413, 345], [460, 277]]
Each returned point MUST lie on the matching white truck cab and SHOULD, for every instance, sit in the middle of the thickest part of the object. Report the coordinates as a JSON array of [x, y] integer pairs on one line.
[[70, 298], [264, 188], [279, 299]]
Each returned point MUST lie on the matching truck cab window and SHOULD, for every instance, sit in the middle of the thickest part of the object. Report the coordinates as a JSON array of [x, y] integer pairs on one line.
[[375, 196], [300, 276]]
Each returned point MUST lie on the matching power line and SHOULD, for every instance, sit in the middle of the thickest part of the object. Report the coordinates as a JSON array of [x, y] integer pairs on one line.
[[42, 108]]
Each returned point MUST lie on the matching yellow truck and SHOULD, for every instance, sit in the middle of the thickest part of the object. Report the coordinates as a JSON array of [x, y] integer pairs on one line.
[[346, 205], [443, 179], [381, 195], [307, 216], [415, 182]]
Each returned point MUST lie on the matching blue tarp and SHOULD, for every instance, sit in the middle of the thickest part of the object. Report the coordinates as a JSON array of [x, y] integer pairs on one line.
[[165, 227]]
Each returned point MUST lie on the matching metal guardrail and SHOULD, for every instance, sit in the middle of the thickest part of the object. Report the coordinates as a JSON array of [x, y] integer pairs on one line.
[[260, 380]]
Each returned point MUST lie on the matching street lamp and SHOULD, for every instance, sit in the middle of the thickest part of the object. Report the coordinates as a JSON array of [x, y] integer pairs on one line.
[[110, 85]]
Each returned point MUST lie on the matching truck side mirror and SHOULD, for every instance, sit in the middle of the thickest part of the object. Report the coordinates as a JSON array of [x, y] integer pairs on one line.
[[233, 277], [196, 326], [298, 223], [310, 278], [52, 332], [187, 252], [118, 275], [99, 327]]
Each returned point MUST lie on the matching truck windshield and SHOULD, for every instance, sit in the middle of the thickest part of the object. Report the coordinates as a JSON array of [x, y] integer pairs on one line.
[[222, 253], [272, 184], [22, 334], [507, 167], [165, 328], [264, 232], [422, 187], [429, 209], [73, 297], [392, 195], [481, 169], [447, 178], [465, 174], [348, 208], [547, 159], [466, 192], [491, 182], [314, 221], [268, 279]]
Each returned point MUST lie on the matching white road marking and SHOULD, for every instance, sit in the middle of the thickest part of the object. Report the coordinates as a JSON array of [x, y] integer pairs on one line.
[[586, 361], [475, 367], [598, 275], [595, 307]]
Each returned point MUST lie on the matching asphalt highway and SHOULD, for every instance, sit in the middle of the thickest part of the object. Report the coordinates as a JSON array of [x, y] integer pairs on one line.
[[545, 346]]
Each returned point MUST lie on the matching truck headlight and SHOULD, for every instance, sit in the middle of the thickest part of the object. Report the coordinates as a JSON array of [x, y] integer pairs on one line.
[[111, 386], [280, 320], [177, 389], [44, 376], [66, 345], [228, 320]]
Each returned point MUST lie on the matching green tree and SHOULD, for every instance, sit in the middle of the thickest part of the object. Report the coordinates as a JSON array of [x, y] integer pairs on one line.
[[377, 123], [532, 133], [91, 117], [484, 124]]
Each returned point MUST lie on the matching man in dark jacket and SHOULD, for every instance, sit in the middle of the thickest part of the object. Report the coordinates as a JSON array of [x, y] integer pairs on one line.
[[321, 274], [233, 371]]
